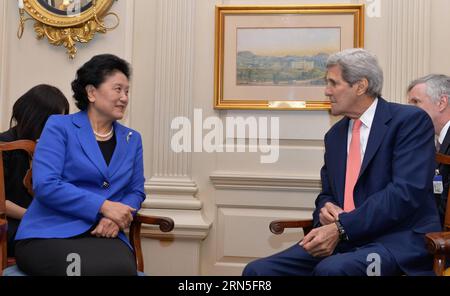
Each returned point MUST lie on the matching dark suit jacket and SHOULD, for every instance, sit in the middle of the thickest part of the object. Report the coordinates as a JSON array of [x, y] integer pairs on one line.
[[15, 165], [441, 199], [393, 194]]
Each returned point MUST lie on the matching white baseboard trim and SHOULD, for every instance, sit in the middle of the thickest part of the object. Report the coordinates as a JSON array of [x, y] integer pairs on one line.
[[227, 180]]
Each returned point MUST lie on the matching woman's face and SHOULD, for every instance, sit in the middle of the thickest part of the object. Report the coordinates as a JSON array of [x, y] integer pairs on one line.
[[110, 99]]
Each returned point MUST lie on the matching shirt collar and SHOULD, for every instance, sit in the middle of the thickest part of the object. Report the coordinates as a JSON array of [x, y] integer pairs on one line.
[[367, 117], [443, 132]]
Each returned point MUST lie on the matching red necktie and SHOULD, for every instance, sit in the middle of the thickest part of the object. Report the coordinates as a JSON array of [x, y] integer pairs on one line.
[[353, 166]]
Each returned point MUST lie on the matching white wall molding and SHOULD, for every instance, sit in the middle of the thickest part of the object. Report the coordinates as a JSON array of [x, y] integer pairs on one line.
[[408, 45], [174, 64], [177, 203], [177, 252], [226, 180], [128, 54], [167, 185], [174, 204], [170, 188], [3, 66]]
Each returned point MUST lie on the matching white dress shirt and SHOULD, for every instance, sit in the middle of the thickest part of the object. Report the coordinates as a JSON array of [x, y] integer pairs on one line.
[[366, 119], [443, 133]]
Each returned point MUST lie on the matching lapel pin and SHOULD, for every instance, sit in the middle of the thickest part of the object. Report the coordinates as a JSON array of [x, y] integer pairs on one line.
[[129, 136]]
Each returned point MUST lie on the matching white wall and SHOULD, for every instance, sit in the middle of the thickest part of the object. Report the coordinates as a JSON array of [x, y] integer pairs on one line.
[[440, 45], [222, 202], [29, 61]]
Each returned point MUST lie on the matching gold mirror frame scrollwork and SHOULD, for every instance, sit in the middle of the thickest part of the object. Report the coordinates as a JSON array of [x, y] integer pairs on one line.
[[67, 30]]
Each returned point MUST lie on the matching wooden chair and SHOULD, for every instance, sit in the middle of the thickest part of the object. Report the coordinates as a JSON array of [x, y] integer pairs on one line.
[[165, 224], [3, 238], [438, 243]]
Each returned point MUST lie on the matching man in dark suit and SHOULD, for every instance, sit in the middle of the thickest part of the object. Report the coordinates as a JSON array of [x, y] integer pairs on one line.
[[376, 202], [431, 93]]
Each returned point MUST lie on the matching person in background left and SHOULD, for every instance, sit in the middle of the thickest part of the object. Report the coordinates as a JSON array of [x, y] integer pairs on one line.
[[29, 115]]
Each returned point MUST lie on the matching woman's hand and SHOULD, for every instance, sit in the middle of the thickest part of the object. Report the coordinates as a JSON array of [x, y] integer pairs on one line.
[[118, 212], [106, 228]]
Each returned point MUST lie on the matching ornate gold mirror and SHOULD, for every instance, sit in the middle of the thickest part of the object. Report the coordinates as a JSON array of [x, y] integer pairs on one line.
[[65, 22]]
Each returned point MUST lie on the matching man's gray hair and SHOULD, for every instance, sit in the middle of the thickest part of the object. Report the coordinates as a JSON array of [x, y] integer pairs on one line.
[[437, 85], [357, 64]]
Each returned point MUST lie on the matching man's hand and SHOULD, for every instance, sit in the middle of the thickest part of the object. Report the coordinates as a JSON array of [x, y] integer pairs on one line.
[[329, 213], [106, 228], [321, 241], [120, 213]]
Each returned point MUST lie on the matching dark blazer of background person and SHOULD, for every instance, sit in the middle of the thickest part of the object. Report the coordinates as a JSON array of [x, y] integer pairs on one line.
[[444, 171]]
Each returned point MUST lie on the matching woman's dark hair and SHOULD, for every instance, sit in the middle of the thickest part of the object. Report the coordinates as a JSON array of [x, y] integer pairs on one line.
[[31, 111], [94, 73]]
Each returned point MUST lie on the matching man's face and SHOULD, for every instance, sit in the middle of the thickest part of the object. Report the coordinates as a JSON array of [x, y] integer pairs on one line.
[[342, 96], [418, 96]]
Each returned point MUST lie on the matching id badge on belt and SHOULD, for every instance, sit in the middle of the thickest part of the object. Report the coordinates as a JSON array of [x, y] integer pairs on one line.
[[438, 186]]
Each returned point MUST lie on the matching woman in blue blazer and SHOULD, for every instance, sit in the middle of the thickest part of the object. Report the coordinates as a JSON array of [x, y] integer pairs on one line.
[[88, 182]]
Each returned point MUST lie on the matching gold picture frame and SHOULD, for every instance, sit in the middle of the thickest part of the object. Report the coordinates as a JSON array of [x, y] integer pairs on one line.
[[66, 22], [273, 57]]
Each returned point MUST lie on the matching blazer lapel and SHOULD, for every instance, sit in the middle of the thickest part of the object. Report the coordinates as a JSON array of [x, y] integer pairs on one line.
[[446, 144], [88, 143], [122, 140], [377, 131]]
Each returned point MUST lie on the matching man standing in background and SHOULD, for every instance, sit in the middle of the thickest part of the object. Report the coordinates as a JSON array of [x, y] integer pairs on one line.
[[431, 93]]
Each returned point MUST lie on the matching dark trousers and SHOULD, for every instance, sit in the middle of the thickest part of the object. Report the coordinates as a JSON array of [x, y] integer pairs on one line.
[[345, 261], [13, 224], [96, 256]]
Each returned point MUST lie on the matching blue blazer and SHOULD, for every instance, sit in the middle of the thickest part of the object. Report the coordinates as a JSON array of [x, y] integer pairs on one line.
[[71, 179], [393, 196]]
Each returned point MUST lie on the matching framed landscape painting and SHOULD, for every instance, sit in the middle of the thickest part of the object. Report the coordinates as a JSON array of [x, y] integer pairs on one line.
[[274, 57]]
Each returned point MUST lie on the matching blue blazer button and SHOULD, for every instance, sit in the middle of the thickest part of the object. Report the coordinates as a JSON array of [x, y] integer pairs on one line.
[[105, 185]]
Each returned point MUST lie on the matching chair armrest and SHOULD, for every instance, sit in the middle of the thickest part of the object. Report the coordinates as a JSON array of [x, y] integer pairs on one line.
[[438, 243], [278, 226], [165, 225], [3, 226]]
